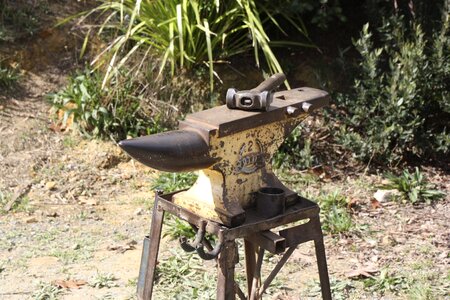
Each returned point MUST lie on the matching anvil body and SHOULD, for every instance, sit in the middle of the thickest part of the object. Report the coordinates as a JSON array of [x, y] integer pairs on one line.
[[232, 149]]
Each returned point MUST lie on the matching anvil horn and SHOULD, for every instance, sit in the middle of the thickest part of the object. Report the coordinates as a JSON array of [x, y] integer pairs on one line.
[[173, 151]]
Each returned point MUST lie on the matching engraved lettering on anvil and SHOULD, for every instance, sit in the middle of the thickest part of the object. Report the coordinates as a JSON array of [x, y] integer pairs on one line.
[[251, 158]]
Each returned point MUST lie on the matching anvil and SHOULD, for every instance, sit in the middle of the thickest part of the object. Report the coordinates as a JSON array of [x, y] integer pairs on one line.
[[232, 150]]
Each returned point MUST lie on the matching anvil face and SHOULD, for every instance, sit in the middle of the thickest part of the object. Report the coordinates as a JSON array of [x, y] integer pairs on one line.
[[232, 149]]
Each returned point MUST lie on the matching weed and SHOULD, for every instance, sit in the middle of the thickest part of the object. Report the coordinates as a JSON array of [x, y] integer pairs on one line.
[[340, 289], [4, 198], [107, 280], [386, 281], [69, 142], [414, 187], [70, 255], [20, 205], [102, 113], [132, 282], [295, 152], [176, 228], [170, 182], [8, 76], [180, 276], [334, 214], [47, 291]]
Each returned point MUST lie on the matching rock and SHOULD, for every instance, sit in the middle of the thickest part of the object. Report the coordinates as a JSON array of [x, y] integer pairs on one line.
[[139, 211], [50, 185], [386, 195]]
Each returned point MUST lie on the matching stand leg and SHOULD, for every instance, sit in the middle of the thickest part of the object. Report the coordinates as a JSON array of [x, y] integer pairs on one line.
[[225, 270], [322, 262], [250, 264], [150, 255]]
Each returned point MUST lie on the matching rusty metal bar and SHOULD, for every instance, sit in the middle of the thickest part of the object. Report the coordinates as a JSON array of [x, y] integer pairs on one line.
[[322, 261], [301, 233], [225, 270], [239, 292], [257, 275], [250, 263], [277, 269], [145, 284], [268, 240]]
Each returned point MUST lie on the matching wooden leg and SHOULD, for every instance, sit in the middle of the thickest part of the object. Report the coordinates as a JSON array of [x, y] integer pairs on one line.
[[225, 272], [150, 255], [322, 263]]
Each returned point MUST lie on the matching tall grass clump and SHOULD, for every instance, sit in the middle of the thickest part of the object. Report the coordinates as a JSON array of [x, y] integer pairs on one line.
[[185, 34], [399, 107]]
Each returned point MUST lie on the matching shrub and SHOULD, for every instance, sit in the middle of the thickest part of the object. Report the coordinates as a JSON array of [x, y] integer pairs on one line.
[[113, 112], [294, 152], [8, 76], [185, 33], [414, 187], [399, 104], [334, 214], [133, 104]]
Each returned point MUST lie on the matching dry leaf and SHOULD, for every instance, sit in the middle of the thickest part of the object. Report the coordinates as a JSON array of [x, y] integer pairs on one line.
[[363, 271], [121, 248], [374, 203], [69, 284]]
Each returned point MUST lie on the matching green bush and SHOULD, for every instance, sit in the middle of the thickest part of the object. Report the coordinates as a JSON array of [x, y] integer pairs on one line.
[[185, 34], [334, 213], [414, 187], [294, 152], [399, 105], [114, 112], [8, 76]]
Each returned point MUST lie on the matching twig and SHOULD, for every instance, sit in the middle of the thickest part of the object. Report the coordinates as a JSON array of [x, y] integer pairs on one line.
[[21, 191]]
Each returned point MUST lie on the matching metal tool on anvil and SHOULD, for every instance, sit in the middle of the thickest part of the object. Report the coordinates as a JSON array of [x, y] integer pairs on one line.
[[231, 148]]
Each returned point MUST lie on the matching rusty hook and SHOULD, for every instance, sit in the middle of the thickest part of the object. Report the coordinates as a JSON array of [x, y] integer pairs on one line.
[[210, 254], [190, 247]]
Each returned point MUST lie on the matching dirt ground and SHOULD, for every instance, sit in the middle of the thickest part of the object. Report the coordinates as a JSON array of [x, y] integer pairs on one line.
[[80, 208]]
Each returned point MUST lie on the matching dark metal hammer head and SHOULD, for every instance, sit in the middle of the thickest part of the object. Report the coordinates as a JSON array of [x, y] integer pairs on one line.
[[258, 98]]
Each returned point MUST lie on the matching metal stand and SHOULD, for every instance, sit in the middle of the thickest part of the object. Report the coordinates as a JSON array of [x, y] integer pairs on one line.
[[257, 239]]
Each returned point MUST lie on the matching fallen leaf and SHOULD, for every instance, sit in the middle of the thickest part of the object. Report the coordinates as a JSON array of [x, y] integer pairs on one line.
[[69, 284], [374, 203], [121, 248], [363, 271], [352, 203]]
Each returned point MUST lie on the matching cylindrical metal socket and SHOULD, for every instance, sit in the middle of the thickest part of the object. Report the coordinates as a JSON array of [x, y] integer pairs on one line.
[[270, 201]]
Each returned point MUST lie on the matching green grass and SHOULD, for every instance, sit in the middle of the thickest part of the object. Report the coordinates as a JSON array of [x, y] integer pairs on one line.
[[47, 291], [387, 281], [181, 276], [170, 182], [414, 187], [103, 280], [334, 213], [8, 76]]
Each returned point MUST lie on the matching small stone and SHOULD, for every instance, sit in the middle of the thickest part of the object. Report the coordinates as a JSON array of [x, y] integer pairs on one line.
[[386, 195], [139, 211], [31, 220], [50, 185]]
